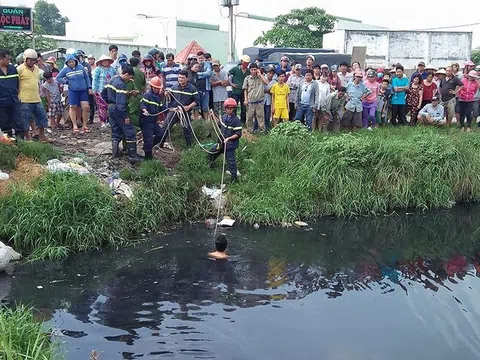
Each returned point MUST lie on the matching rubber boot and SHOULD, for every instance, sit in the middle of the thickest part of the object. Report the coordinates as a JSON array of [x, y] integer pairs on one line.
[[133, 157], [148, 155], [115, 148]]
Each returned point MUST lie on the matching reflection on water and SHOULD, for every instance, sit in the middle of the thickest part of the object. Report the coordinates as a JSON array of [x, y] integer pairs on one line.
[[371, 288]]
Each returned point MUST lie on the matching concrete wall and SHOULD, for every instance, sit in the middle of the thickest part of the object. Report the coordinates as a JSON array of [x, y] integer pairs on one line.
[[213, 41], [410, 47], [99, 48]]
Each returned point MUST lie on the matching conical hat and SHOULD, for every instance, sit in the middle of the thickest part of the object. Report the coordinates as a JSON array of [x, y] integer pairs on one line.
[[104, 57]]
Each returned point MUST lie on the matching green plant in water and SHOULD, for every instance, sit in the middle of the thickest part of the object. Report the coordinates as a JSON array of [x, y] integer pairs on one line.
[[24, 337]]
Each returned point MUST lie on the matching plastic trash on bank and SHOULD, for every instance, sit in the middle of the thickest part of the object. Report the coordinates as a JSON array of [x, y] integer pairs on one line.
[[215, 196], [119, 187], [4, 176], [56, 166]]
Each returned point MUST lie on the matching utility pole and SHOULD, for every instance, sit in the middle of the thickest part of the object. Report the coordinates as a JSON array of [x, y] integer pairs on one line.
[[231, 43], [231, 28]]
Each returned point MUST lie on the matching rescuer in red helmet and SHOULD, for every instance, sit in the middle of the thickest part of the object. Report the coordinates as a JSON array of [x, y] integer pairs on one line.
[[231, 129]]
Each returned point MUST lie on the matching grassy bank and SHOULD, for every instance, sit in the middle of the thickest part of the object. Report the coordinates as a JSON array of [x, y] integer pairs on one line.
[[24, 337], [286, 176]]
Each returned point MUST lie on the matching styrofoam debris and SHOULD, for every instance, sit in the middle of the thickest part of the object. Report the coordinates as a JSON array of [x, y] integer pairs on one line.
[[226, 222], [300, 224], [56, 166], [4, 176]]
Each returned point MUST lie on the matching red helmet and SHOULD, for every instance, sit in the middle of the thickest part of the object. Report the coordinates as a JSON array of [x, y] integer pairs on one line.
[[156, 82], [230, 103]]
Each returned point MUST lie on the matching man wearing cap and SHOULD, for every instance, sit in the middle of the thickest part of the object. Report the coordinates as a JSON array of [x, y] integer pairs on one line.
[[309, 60], [468, 66], [293, 82], [432, 114], [283, 66], [29, 95], [420, 71], [253, 92], [239, 73], [449, 88], [219, 82], [356, 93]]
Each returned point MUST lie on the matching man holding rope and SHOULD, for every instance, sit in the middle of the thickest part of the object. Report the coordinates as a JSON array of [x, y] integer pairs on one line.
[[183, 98]]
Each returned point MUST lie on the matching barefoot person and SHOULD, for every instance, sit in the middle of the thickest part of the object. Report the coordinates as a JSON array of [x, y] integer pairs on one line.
[[221, 244]]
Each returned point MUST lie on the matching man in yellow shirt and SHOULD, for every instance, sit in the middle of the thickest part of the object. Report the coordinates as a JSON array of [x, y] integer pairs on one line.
[[29, 96], [280, 103]]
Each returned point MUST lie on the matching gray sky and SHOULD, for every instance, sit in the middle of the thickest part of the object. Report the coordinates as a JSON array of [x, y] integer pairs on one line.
[[402, 16]]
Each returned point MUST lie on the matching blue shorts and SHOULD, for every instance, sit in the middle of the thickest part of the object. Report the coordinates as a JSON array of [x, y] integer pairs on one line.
[[35, 110], [204, 100], [76, 97]]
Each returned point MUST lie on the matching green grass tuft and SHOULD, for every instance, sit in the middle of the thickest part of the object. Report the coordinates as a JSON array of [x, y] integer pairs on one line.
[[8, 156], [38, 151], [151, 170], [24, 337], [64, 212]]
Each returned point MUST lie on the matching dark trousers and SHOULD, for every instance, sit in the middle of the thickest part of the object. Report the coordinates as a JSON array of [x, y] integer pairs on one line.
[[466, 110], [231, 159], [120, 130], [10, 118], [292, 112], [172, 119], [399, 112], [150, 131], [91, 102], [240, 99]]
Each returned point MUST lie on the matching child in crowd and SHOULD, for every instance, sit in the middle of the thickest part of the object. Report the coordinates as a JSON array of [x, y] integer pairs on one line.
[[221, 244], [323, 94], [150, 106], [383, 98], [281, 105], [52, 94]]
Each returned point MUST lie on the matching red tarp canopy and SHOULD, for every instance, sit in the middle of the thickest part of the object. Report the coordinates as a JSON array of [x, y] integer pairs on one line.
[[192, 48]]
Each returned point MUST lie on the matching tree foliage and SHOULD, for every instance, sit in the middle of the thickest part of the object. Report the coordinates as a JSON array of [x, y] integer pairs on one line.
[[17, 42], [476, 56], [49, 18], [301, 28]]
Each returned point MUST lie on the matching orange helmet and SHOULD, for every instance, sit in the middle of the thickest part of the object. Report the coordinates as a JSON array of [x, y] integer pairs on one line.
[[156, 82], [230, 103]]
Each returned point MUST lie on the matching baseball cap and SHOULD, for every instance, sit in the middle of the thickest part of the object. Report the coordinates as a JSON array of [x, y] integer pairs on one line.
[[298, 67], [311, 57], [421, 63], [435, 98], [284, 58]]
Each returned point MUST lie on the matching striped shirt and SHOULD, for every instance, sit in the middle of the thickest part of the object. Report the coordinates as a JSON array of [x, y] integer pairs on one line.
[[171, 74]]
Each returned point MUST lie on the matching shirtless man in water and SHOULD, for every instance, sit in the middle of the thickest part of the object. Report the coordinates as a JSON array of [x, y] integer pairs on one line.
[[221, 244]]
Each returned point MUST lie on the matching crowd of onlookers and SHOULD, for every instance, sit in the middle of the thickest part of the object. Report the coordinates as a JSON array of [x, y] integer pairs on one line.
[[36, 94]]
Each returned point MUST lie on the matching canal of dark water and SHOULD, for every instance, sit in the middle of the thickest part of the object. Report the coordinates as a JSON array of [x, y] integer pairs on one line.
[[391, 287]]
